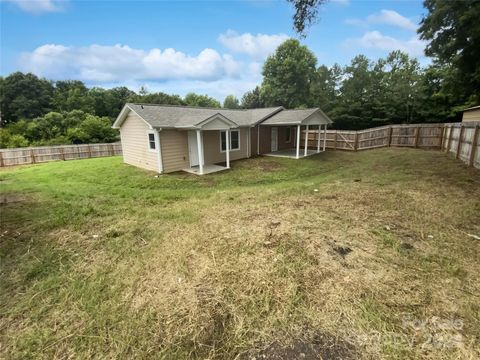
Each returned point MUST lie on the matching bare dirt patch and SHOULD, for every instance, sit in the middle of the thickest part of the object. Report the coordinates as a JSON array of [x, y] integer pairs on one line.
[[6, 199], [322, 346], [269, 165]]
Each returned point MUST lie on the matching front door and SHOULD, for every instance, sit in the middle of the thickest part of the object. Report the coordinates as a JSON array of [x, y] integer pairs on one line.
[[274, 139], [193, 148]]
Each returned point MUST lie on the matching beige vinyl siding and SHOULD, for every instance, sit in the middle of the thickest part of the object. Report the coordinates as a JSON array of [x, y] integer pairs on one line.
[[471, 115], [174, 145], [211, 147], [133, 134]]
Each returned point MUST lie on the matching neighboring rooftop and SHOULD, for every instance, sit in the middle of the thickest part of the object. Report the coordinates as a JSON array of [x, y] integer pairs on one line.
[[472, 108]]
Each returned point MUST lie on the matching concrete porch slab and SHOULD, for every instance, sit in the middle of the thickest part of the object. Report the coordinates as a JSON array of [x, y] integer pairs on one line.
[[291, 153], [207, 169]]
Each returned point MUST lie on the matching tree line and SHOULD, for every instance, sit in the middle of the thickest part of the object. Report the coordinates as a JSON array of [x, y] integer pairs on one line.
[[36, 111], [362, 94]]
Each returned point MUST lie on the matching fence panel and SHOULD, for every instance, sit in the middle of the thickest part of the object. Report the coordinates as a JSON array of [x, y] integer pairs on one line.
[[455, 138], [34, 155]]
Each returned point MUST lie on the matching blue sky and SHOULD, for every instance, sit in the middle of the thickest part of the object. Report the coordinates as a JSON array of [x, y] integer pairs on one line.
[[210, 47]]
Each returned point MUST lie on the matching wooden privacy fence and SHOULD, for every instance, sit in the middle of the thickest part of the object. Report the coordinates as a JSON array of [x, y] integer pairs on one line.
[[427, 136], [33, 155], [462, 140]]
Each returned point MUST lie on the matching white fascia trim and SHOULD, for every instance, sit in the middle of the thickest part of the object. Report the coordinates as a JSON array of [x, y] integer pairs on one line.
[[123, 115], [220, 117]]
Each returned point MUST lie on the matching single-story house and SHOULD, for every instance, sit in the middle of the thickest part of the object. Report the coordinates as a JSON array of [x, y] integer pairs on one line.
[[471, 114], [167, 138]]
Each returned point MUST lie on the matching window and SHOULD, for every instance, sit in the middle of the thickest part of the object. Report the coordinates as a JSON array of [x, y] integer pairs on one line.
[[288, 134], [151, 141], [234, 140]]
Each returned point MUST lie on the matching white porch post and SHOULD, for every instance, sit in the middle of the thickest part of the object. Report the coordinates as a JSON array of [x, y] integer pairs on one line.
[[158, 145], [324, 137], [318, 137], [227, 152], [298, 142], [306, 142], [200, 151]]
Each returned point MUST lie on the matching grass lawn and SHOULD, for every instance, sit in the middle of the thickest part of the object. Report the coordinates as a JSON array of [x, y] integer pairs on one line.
[[348, 255]]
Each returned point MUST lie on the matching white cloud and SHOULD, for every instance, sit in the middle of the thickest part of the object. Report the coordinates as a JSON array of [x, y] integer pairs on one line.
[[257, 46], [385, 17], [39, 6], [376, 40], [119, 63], [390, 17]]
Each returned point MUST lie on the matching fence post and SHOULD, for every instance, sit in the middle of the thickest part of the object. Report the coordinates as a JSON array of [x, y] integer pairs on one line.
[[449, 143], [355, 144], [335, 141], [417, 135], [62, 152], [32, 156], [459, 145], [390, 131], [89, 151], [1, 159], [442, 135], [112, 152], [474, 146]]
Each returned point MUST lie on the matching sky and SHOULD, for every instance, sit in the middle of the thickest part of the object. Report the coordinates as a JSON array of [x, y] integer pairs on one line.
[[208, 47]]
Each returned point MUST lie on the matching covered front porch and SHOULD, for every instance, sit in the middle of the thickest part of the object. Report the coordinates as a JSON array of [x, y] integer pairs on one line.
[[297, 121], [301, 148], [217, 124]]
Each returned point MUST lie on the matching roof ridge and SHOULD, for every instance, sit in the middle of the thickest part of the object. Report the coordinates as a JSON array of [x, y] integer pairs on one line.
[[199, 107]]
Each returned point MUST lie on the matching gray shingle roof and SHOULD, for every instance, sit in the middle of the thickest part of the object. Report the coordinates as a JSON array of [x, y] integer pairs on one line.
[[292, 117], [185, 116]]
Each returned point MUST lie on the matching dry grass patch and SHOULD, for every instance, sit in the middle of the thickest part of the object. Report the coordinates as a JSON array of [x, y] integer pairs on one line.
[[369, 259]]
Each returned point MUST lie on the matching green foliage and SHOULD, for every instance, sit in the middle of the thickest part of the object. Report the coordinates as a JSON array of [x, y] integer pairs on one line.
[[56, 128], [252, 99], [24, 96], [157, 98], [288, 75], [98, 129], [231, 102], [9, 140], [193, 99], [453, 31], [306, 13]]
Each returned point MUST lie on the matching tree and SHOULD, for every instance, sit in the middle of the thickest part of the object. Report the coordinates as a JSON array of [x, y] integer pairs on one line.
[[158, 98], [401, 87], [193, 99], [24, 96], [72, 95], [453, 31], [252, 99], [355, 105], [98, 129], [306, 13], [288, 75], [325, 87], [231, 102]]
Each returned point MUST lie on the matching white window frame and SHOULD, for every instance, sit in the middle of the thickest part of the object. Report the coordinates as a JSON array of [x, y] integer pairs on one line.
[[220, 136], [154, 141]]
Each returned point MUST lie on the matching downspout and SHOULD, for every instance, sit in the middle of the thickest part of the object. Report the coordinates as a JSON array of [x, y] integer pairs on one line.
[[159, 152]]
